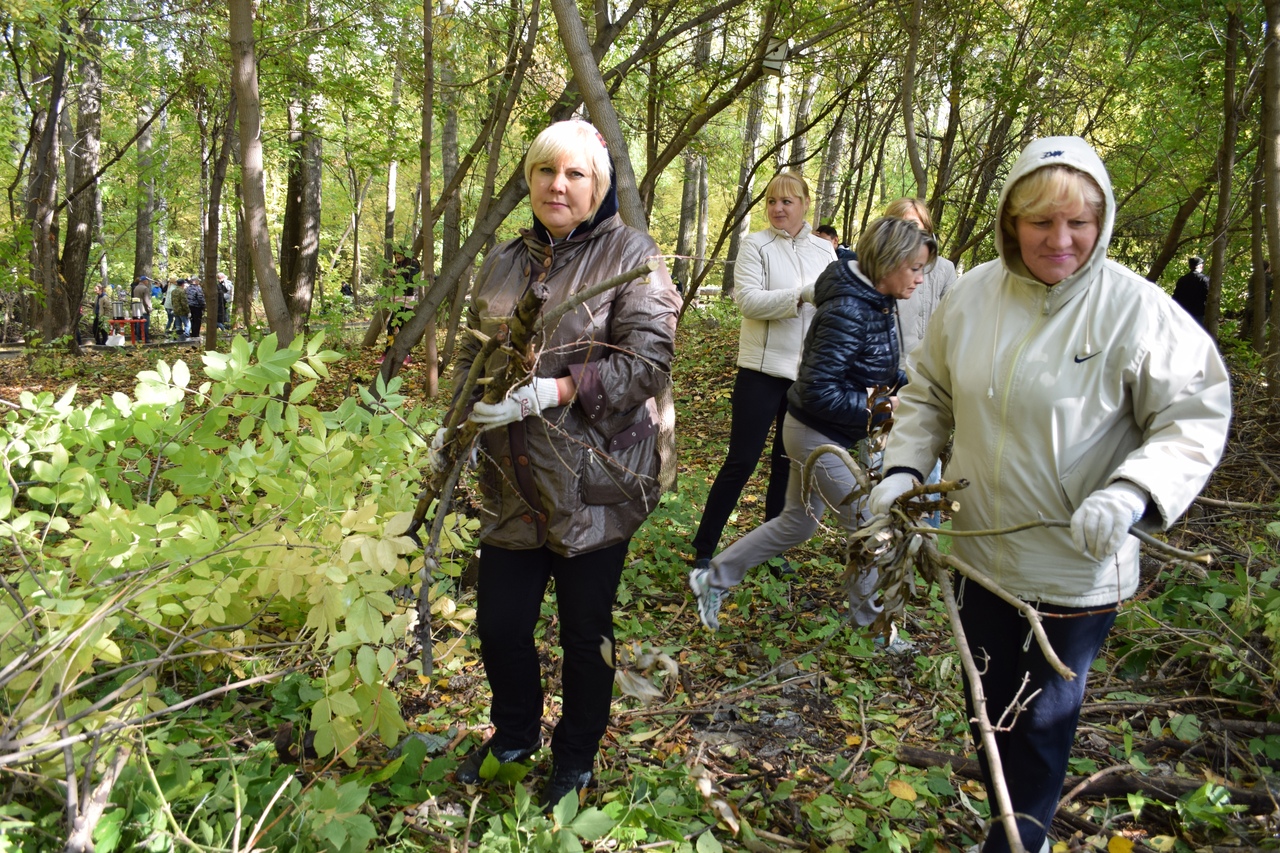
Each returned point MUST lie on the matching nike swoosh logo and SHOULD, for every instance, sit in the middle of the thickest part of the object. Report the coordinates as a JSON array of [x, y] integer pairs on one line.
[[1080, 360]]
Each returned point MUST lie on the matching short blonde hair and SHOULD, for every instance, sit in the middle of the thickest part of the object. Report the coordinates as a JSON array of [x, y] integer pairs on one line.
[[1045, 192], [575, 138], [788, 184], [906, 206], [890, 242]]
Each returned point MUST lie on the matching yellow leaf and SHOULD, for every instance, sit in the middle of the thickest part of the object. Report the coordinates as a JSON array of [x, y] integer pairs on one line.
[[852, 740], [902, 790], [1163, 843], [1116, 844]]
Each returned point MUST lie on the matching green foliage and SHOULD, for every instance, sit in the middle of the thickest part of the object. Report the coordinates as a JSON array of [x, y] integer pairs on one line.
[[209, 538]]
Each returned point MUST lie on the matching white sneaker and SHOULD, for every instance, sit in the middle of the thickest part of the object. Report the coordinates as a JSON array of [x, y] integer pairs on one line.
[[708, 597]]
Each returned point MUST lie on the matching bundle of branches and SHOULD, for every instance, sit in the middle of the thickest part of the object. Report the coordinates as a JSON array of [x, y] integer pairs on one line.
[[899, 546], [516, 338]]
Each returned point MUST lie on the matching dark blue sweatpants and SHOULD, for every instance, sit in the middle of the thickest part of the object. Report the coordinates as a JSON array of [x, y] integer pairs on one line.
[[1035, 749]]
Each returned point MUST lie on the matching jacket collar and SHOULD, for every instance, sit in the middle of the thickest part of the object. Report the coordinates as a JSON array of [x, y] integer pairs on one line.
[[845, 279]]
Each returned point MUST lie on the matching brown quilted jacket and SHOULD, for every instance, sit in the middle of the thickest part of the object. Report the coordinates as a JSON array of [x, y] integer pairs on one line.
[[585, 475]]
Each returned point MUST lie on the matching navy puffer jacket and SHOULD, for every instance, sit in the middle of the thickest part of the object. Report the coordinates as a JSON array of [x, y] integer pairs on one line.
[[852, 345]]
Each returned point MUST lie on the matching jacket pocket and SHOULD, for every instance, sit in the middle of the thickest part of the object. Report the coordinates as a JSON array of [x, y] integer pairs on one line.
[[623, 466]]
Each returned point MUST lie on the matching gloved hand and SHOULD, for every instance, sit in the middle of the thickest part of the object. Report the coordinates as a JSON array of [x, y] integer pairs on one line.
[[806, 293], [520, 403], [1103, 519], [889, 490], [435, 458]]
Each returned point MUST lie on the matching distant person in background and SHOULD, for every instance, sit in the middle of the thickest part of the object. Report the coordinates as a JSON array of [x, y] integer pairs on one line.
[[195, 301], [773, 278], [224, 300], [843, 253], [99, 308], [180, 310], [1192, 290], [142, 294]]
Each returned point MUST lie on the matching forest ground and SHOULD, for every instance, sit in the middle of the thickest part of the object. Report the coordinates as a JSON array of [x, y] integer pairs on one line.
[[808, 735]]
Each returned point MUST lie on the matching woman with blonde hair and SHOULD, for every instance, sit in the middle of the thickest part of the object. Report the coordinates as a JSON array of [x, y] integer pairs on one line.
[[852, 346], [1074, 389], [571, 455], [773, 278]]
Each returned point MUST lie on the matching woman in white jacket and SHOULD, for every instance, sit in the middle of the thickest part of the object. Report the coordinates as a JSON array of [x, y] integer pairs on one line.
[[773, 278], [1076, 389]]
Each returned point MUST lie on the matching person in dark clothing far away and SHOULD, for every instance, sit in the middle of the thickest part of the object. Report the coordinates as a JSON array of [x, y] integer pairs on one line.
[[1192, 290], [406, 269], [195, 303], [843, 253]]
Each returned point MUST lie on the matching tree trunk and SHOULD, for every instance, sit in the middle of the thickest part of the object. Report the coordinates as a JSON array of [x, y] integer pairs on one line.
[[1226, 165], [827, 196], [243, 295], [908, 99], [213, 226], [144, 244], [587, 75], [704, 213], [1255, 331], [451, 238], [799, 142], [41, 214], [1271, 139], [428, 219], [245, 83], [82, 212], [685, 241], [746, 168]]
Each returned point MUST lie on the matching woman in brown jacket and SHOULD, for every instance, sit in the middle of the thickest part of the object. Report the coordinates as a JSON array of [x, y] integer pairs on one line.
[[571, 457]]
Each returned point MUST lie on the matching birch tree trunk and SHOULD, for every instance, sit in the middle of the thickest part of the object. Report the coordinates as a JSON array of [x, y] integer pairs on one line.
[[245, 82], [685, 241]]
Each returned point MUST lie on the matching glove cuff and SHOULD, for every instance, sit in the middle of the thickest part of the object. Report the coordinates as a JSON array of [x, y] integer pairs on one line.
[[548, 392], [1131, 495]]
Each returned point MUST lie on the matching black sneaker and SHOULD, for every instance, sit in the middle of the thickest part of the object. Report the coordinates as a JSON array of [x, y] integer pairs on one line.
[[468, 772], [561, 782]]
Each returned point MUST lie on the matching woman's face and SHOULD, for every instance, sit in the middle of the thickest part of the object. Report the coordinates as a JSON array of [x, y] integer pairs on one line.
[[561, 194], [786, 212], [903, 281], [1054, 246]]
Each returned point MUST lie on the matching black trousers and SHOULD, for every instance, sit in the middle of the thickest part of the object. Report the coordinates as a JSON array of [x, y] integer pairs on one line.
[[759, 400], [1035, 749], [197, 313], [509, 597]]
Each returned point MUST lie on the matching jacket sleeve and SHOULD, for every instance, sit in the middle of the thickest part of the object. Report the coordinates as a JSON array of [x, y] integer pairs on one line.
[[1181, 394], [642, 328], [830, 367], [758, 297]]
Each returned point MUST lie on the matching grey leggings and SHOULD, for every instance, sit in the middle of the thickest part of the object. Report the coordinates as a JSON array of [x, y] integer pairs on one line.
[[798, 520]]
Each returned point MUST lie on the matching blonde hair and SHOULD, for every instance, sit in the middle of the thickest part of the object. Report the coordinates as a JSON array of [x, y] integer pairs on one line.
[[906, 206], [890, 242], [574, 138], [788, 184], [1047, 191]]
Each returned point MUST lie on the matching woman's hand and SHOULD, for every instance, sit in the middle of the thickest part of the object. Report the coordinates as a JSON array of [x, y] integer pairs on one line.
[[1099, 526], [889, 490], [521, 402]]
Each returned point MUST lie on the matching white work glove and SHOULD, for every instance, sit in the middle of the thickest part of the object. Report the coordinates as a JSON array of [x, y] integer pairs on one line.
[[889, 490], [520, 403], [435, 459], [806, 293], [1099, 526]]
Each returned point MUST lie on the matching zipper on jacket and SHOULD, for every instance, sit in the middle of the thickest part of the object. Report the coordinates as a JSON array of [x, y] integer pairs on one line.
[[1014, 361]]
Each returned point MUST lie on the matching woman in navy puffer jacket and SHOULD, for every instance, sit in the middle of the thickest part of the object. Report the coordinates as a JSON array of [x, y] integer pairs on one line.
[[851, 348]]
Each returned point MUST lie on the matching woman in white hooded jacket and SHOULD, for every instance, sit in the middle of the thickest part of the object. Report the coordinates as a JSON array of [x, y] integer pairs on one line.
[[1076, 390]]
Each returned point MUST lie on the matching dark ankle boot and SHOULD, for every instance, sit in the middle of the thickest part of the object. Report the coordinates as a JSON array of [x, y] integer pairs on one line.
[[468, 772], [562, 781]]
